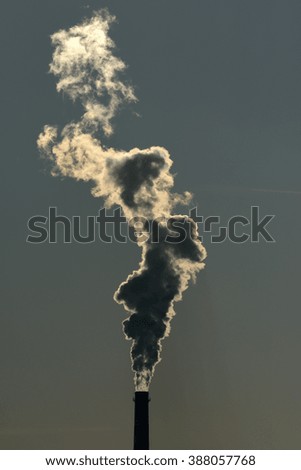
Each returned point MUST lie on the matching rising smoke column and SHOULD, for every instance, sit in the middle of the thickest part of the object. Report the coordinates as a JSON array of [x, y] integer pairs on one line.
[[138, 180]]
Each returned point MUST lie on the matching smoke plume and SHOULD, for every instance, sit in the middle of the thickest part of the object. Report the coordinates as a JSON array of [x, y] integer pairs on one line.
[[138, 180], [87, 69]]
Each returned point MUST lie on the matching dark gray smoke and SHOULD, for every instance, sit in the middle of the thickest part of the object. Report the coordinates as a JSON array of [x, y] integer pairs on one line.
[[138, 180], [149, 293]]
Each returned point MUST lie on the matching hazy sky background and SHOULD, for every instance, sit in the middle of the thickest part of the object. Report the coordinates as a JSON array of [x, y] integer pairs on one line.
[[218, 84]]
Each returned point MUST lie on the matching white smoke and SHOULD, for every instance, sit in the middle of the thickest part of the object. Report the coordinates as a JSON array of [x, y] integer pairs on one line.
[[87, 69]]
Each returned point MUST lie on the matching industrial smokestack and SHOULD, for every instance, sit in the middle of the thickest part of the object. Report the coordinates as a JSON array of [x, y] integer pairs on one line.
[[141, 426]]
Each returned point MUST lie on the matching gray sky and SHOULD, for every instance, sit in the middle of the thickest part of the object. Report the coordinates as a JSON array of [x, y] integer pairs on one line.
[[219, 86]]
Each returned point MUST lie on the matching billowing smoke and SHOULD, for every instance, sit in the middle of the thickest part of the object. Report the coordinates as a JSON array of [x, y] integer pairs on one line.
[[149, 293], [87, 69], [138, 180]]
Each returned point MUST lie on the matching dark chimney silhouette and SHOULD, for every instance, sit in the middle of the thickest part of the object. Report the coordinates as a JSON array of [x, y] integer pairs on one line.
[[141, 427]]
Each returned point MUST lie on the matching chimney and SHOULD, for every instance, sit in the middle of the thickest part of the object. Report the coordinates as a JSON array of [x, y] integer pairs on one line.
[[141, 431]]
